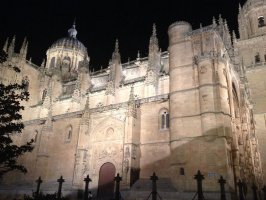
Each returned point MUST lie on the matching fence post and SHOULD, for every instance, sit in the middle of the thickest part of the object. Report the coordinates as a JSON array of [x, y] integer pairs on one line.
[[254, 188], [117, 180], [240, 190], [222, 183], [60, 181], [199, 177], [87, 182], [264, 192], [154, 178], [39, 182]]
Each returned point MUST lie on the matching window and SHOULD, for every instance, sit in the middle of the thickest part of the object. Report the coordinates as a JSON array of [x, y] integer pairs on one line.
[[261, 21], [44, 92], [181, 171], [36, 136], [25, 82], [68, 134], [52, 63], [164, 119], [257, 58]]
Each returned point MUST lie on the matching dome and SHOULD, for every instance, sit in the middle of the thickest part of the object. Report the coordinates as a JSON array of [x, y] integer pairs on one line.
[[70, 42]]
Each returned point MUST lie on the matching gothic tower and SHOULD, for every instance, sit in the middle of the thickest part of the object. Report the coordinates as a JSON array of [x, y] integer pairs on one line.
[[251, 51]]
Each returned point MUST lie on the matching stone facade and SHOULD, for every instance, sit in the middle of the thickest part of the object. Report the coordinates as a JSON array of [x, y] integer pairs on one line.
[[171, 113]]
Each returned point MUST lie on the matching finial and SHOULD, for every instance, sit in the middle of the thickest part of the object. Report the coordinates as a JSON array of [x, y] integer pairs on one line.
[[6, 45], [154, 29], [200, 25], [43, 63], [220, 20], [138, 55], [72, 32], [234, 36], [24, 48], [226, 25], [153, 40], [214, 24], [11, 47], [116, 46], [74, 23]]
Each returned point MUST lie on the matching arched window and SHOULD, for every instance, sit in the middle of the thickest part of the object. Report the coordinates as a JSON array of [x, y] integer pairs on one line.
[[52, 62], [68, 135], [164, 119]]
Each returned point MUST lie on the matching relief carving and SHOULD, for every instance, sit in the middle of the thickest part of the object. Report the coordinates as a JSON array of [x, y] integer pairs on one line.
[[203, 69]]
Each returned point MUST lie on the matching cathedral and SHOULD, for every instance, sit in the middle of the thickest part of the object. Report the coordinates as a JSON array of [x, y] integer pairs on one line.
[[200, 105]]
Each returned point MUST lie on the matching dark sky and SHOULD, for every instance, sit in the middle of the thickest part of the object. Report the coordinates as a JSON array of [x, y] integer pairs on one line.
[[99, 23]]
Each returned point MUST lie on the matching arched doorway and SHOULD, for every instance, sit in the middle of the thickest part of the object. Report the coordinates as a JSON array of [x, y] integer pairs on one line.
[[106, 181]]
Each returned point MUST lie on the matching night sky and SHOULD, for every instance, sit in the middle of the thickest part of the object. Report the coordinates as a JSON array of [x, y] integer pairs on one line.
[[99, 23]]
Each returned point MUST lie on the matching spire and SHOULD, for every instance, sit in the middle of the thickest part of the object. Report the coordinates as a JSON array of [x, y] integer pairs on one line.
[[11, 47], [154, 30], [153, 40], [5, 48], [24, 49], [220, 20], [116, 46], [116, 54], [239, 8], [72, 32], [226, 25], [234, 37]]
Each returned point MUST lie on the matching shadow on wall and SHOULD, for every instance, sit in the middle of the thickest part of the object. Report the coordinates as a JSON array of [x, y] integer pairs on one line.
[[209, 154]]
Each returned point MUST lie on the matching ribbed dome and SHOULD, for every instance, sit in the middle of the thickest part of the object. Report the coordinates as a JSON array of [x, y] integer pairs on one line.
[[70, 42]]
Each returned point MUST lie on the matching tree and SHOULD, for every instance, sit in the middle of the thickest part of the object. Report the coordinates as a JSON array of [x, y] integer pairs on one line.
[[10, 123]]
